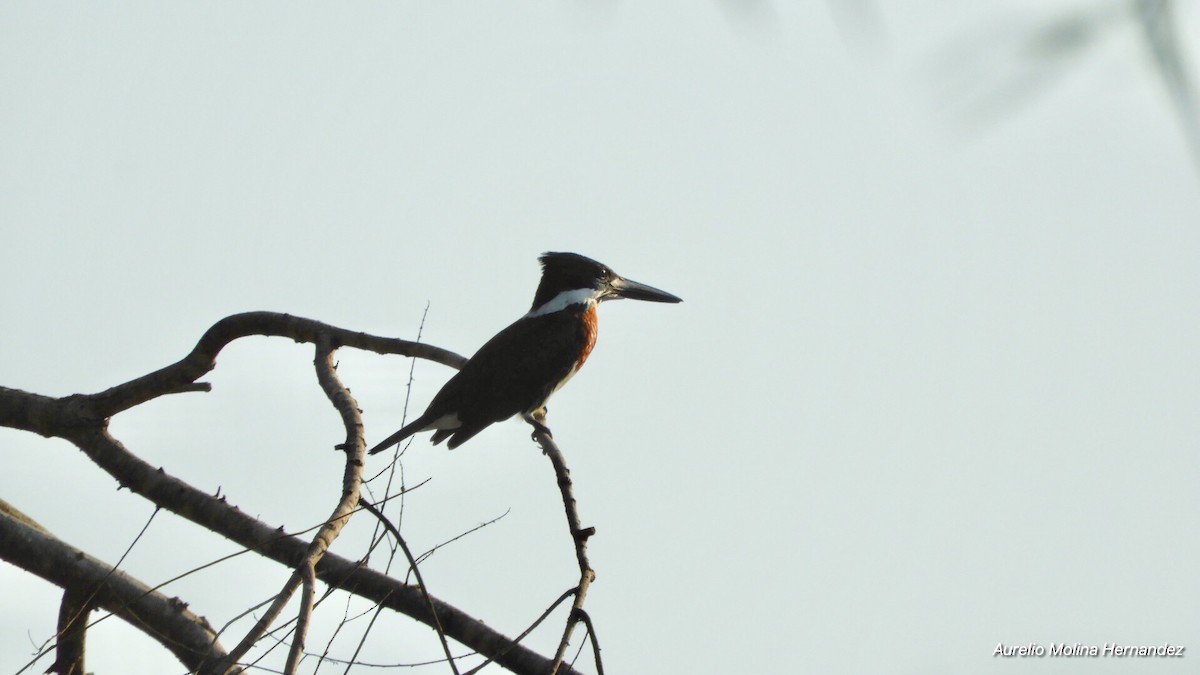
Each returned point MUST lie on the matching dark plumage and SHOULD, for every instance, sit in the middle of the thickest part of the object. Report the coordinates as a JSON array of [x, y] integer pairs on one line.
[[516, 371]]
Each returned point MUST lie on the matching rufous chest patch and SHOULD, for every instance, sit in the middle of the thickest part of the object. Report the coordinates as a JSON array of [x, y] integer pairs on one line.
[[590, 329]]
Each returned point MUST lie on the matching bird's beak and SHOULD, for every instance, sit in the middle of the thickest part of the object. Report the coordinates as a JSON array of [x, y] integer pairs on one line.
[[626, 288]]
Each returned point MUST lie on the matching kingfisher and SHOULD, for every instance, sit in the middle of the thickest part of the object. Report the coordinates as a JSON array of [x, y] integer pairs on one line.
[[515, 372]]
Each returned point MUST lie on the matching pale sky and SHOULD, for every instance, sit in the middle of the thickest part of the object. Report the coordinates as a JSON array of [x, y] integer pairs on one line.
[[933, 386]]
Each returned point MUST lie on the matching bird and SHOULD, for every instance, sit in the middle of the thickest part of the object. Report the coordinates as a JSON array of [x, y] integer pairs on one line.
[[516, 371]]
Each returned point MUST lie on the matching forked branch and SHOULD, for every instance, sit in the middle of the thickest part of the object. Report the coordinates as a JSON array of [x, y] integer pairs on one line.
[[83, 420], [27, 545], [305, 572]]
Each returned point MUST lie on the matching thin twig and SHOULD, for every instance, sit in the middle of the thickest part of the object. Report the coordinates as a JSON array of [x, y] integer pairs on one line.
[[302, 618], [580, 534], [395, 465], [591, 632], [85, 604], [437, 623], [536, 622], [425, 556], [362, 640]]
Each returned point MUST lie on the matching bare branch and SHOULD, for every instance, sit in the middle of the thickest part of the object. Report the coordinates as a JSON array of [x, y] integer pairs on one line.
[[591, 632], [202, 358], [70, 415], [416, 570], [72, 631], [570, 592], [309, 579], [579, 534], [82, 419], [167, 620], [351, 483], [427, 554]]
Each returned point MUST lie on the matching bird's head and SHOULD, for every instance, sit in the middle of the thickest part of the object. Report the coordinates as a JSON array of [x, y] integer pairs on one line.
[[569, 278]]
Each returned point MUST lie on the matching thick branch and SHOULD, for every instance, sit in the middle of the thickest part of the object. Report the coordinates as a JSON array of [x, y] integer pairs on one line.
[[49, 416], [167, 620], [73, 614], [203, 357], [224, 519], [44, 415]]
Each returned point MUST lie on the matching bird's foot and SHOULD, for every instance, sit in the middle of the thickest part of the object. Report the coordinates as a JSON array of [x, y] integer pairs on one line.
[[537, 419]]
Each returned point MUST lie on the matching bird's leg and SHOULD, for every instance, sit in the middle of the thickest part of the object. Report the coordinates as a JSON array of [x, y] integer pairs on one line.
[[537, 419]]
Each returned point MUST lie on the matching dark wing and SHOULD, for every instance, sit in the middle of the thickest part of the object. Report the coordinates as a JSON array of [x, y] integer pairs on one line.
[[513, 373]]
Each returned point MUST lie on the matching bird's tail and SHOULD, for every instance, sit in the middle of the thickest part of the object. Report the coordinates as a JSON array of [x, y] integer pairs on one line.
[[408, 430]]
